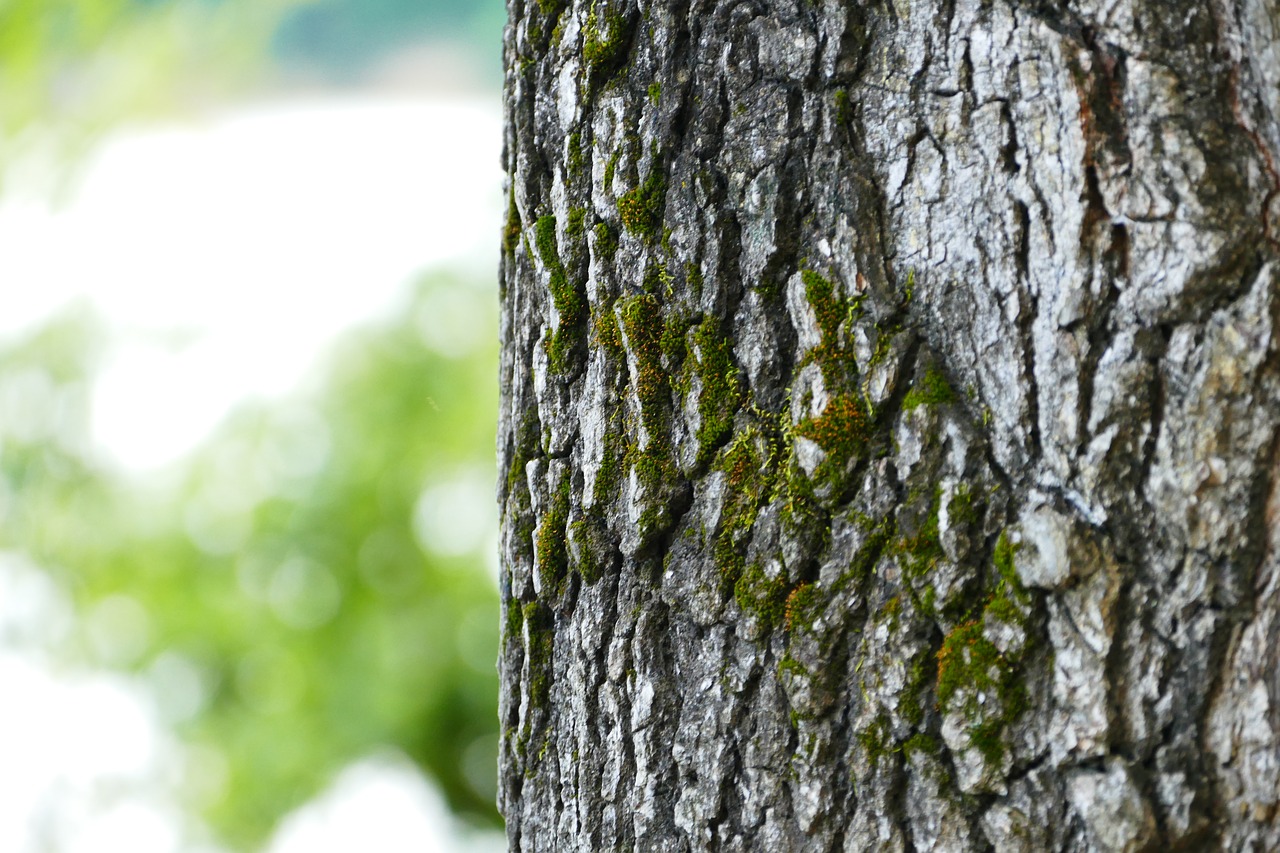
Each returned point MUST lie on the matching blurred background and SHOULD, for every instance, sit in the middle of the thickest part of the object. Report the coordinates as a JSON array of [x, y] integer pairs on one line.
[[248, 260]]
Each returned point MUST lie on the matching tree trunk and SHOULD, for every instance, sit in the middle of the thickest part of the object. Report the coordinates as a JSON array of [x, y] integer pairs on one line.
[[890, 405]]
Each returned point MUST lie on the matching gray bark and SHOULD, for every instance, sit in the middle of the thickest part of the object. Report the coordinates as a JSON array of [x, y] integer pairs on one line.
[[889, 424]]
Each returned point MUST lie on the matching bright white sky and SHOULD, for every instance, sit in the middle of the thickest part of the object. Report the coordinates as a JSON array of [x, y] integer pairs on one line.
[[259, 235]]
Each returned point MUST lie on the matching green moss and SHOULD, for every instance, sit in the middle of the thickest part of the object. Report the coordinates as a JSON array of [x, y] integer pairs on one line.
[[514, 621], [607, 334], [1002, 559], [608, 476], [891, 612], [574, 159], [655, 92], [693, 278], [642, 323], [540, 624], [986, 738], [762, 596], [865, 559], [839, 367], [827, 308], [568, 299], [921, 550], [591, 561], [969, 660], [574, 229], [641, 209], [606, 242], [792, 667], [919, 679], [804, 604], [844, 110], [841, 431], [655, 471], [877, 740], [728, 560], [962, 510], [511, 230], [672, 342], [749, 476], [602, 45], [611, 168], [552, 548], [932, 389], [720, 394], [966, 659], [523, 524], [526, 447], [921, 742]]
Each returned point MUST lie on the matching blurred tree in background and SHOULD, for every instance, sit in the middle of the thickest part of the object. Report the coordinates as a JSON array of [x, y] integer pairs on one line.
[[311, 585]]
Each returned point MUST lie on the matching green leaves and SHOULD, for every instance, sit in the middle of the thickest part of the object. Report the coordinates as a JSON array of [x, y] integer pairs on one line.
[[317, 571]]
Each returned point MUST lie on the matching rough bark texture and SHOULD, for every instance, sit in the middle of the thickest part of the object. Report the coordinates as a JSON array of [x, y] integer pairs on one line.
[[889, 425]]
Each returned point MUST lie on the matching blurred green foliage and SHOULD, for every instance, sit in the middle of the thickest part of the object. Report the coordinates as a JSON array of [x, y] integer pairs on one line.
[[312, 585], [71, 68]]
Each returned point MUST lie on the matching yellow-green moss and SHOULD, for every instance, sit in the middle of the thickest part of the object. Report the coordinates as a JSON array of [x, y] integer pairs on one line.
[[640, 209], [568, 299], [511, 230], [962, 509], [608, 475], [514, 622], [642, 323], [607, 334], [720, 395], [921, 550], [844, 110], [672, 342], [877, 740], [762, 596], [540, 625], [606, 242], [749, 479], [969, 660], [693, 278], [841, 431], [920, 676], [804, 604], [932, 389], [591, 561], [574, 228], [602, 40], [611, 168], [921, 742], [553, 552], [837, 362], [574, 159]]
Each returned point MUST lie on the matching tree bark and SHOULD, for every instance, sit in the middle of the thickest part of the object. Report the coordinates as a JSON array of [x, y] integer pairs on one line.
[[889, 425]]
